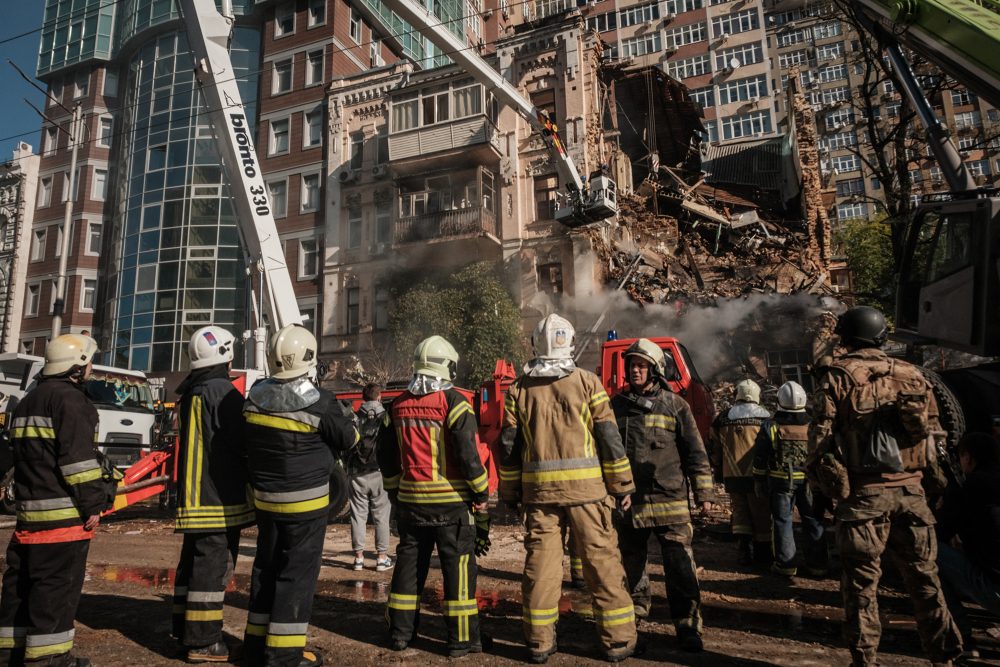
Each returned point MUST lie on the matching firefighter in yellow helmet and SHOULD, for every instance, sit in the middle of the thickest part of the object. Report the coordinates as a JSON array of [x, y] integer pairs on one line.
[[565, 463]]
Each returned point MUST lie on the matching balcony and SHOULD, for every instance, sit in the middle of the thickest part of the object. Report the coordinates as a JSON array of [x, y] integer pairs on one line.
[[460, 223], [413, 151]]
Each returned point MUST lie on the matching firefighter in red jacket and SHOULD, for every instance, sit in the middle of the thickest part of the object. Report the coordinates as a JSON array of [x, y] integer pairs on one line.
[[430, 460], [61, 491]]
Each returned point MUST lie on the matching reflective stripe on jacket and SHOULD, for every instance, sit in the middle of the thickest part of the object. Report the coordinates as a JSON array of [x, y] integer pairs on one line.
[[781, 448], [561, 442], [734, 434]]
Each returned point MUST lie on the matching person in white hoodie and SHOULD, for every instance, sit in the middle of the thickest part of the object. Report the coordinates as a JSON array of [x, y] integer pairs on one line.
[[367, 490]]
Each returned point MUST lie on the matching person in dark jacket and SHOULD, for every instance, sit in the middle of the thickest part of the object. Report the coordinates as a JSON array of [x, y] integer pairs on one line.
[[367, 488], [667, 455], [779, 459], [61, 491], [969, 533], [293, 430], [212, 504]]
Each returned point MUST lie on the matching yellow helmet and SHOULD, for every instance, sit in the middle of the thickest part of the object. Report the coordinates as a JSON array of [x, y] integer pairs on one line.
[[435, 357], [293, 352], [66, 352]]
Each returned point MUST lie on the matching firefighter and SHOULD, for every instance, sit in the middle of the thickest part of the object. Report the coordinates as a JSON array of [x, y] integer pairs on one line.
[[61, 490], [779, 459], [430, 460], [666, 453], [212, 505], [563, 457], [874, 432], [734, 433], [293, 432]]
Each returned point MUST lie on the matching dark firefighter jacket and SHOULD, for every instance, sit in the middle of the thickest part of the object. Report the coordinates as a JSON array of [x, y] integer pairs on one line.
[[428, 453], [665, 449], [561, 442], [57, 475], [212, 488], [780, 450], [290, 442]]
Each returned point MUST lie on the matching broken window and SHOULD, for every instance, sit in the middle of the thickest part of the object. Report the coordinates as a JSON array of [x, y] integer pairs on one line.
[[545, 100], [790, 366], [353, 309], [550, 280], [546, 188]]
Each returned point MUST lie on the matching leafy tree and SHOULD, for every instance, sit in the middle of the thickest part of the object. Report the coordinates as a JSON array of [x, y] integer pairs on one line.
[[472, 309], [867, 244]]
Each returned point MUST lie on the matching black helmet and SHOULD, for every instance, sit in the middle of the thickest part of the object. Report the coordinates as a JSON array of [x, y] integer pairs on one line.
[[862, 326]]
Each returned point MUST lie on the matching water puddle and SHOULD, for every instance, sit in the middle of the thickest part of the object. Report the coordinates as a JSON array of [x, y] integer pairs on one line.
[[148, 577]]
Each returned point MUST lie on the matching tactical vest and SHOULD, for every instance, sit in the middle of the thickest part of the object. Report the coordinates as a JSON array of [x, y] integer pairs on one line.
[[791, 446]]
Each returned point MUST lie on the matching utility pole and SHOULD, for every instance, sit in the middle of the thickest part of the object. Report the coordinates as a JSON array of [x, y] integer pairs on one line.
[[75, 136]]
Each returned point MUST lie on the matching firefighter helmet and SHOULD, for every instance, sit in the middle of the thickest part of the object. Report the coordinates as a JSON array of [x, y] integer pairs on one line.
[[862, 326], [67, 352], [748, 391], [435, 357], [792, 397], [652, 353], [210, 346], [293, 352], [553, 338]]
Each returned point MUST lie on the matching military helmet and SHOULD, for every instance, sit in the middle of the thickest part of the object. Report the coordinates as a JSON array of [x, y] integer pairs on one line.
[[661, 364], [435, 357], [210, 346], [748, 391], [862, 326], [67, 352], [792, 397], [293, 352], [553, 338]]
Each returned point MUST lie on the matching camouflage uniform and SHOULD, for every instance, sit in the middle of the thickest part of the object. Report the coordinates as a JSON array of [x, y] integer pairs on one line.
[[863, 396]]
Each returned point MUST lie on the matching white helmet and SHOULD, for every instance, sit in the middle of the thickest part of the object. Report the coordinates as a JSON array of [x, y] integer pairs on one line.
[[553, 338], [293, 352], [748, 391], [66, 352], [436, 357], [792, 397], [210, 346]]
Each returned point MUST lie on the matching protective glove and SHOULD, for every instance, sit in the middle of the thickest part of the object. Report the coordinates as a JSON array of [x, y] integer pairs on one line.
[[483, 542]]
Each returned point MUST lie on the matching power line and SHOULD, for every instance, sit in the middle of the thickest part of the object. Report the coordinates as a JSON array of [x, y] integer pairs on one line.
[[66, 19]]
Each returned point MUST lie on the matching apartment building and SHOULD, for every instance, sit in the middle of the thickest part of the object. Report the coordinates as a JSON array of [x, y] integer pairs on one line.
[[18, 182]]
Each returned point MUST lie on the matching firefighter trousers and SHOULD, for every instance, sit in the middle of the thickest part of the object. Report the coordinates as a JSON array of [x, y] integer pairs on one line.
[[679, 575], [282, 585], [456, 550], [751, 516], [205, 568], [41, 591], [595, 541]]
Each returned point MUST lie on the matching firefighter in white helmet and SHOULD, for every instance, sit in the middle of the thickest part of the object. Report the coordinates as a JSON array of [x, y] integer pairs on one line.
[[294, 430], [567, 467], [61, 489], [212, 506], [779, 468], [733, 435], [430, 459]]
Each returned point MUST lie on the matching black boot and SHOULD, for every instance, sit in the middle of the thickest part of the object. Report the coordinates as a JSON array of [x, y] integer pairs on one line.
[[744, 553], [762, 555]]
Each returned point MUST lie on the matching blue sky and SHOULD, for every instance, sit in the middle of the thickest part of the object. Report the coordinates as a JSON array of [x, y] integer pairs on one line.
[[19, 16]]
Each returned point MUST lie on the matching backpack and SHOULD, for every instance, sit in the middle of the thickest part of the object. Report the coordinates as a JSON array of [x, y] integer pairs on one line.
[[369, 426], [791, 444]]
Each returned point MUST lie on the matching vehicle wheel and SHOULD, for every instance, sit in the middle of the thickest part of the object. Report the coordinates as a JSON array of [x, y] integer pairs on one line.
[[7, 500], [339, 486], [952, 419]]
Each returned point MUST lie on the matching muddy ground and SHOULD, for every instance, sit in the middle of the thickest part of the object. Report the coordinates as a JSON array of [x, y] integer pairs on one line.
[[751, 618]]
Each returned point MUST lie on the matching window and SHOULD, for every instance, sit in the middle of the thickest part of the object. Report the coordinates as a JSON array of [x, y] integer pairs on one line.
[[846, 163], [382, 147], [641, 45], [317, 13], [467, 100], [851, 186], [38, 245], [99, 189], [473, 17], [840, 140], [431, 105], [730, 24], [834, 95], [687, 34], [31, 299], [781, 18], [967, 119], [310, 192], [44, 191], [281, 77], [59, 239], [746, 125], [876, 185], [383, 222], [832, 72], [916, 176], [792, 58], [978, 167], [355, 28], [314, 67], [357, 149], [830, 51], [711, 130], [704, 96], [683, 69], [353, 309], [603, 22], [741, 90], [284, 20], [546, 188], [354, 227], [81, 85], [966, 143], [76, 183], [308, 258], [681, 6], [279, 197], [89, 295], [110, 84], [93, 238], [747, 54], [936, 174], [550, 278], [375, 53], [50, 141], [826, 30], [405, 112], [279, 137], [852, 211], [55, 93], [105, 131], [838, 119], [381, 314], [790, 37], [312, 132], [638, 14]]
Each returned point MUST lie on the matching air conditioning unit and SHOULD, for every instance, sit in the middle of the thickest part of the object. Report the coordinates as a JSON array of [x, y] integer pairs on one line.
[[488, 14], [669, 16], [380, 170], [981, 179], [771, 20], [724, 37], [347, 176], [626, 61]]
